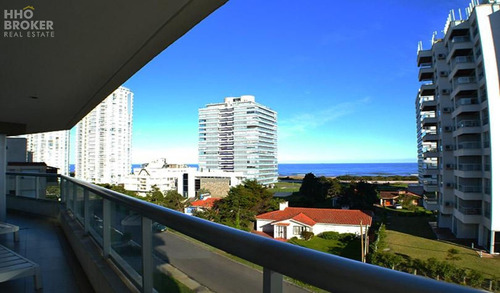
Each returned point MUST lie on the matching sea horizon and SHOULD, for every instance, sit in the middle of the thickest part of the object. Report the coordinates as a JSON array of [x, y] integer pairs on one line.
[[335, 169]]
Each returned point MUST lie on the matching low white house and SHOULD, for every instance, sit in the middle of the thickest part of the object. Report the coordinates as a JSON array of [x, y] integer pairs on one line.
[[182, 178], [289, 222]]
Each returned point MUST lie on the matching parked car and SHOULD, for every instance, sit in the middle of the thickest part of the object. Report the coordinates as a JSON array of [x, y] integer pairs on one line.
[[398, 206], [157, 227]]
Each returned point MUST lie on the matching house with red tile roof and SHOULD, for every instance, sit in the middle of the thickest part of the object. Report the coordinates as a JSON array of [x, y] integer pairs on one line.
[[390, 198], [200, 205], [289, 222]]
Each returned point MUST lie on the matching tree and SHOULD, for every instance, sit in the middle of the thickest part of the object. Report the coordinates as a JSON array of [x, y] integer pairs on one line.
[[241, 205], [173, 200], [308, 186]]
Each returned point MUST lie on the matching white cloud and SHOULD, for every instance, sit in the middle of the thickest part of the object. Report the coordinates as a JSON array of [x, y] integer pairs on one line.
[[304, 122]]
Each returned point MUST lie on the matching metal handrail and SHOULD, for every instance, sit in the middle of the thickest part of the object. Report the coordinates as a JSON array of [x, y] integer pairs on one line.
[[326, 271]]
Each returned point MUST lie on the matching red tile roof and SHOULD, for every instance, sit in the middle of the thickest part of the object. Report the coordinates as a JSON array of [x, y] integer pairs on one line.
[[205, 203], [304, 219], [328, 216]]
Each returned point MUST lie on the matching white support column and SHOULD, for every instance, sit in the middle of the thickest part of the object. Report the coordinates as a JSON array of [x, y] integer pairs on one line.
[[3, 177]]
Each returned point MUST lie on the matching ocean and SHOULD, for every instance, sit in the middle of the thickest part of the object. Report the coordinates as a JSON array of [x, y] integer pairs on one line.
[[359, 169]]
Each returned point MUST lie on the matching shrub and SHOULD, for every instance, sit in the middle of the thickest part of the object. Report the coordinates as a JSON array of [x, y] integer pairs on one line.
[[307, 235], [347, 237], [330, 235]]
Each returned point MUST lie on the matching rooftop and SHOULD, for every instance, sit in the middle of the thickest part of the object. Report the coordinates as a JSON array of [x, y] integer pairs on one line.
[[334, 216]]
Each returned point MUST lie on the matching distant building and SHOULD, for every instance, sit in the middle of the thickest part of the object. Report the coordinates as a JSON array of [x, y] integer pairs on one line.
[[103, 140], [458, 125], [187, 181], [52, 148], [239, 135], [290, 222]]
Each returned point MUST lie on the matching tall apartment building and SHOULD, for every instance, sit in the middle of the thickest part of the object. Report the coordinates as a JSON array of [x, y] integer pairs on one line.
[[458, 124], [239, 135], [52, 148], [103, 140]]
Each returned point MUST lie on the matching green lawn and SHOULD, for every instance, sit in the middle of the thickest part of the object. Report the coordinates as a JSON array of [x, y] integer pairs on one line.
[[412, 236], [349, 250], [283, 186]]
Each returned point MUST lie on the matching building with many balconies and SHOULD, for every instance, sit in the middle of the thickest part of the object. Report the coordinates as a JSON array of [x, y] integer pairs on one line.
[[239, 135], [103, 140], [456, 123]]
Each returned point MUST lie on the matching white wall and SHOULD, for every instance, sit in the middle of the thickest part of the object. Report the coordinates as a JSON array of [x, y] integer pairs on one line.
[[265, 226]]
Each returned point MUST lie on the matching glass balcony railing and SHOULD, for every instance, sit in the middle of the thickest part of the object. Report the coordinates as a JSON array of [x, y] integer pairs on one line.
[[469, 210], [468, 123], [140, 237], [467, 101], [469, 145], [460, 39], [470, 188], [469, 167], [464, 80]]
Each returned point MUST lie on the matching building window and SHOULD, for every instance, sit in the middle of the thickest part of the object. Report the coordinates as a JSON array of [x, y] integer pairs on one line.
[[297, 230]]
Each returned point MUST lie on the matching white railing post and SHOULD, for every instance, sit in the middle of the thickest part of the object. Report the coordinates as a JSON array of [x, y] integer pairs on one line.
[[106, 225], [147, 255], [273, 281]]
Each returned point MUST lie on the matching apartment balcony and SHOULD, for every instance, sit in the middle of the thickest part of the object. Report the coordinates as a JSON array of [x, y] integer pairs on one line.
[[466, 105], [424, 57], [468, 126], [460, 44], [425, 73], [429, 121], [429, 169], [428, 89], [468, 215], [430, 153], [468, 171], [469, 192], [430, 136], [428, 104], [114, 247], [465, 84]]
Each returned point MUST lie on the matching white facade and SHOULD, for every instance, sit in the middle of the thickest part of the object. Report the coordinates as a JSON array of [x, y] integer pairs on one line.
[[288, 229], [185, 180], [103, 142], [52, 148], [239, 135], [457, 127]]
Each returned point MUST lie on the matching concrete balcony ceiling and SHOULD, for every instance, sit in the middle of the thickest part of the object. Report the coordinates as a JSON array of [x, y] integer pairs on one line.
[[52, 81]]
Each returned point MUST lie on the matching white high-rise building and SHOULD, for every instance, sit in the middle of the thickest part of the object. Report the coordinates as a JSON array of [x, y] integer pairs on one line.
[[52, 148], [458, 129], [239, 135], [103, 140]]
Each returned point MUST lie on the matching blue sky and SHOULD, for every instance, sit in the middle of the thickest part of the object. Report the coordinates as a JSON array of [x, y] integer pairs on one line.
[[341, 75]]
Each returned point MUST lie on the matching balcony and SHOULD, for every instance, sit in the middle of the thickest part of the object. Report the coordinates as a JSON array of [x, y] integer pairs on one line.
[[468, 215], [428, 104], [469, 192], [113, 228], [428, 89], [425, 73], [468, 126], [468, 171], [424, 57], [466, 105]]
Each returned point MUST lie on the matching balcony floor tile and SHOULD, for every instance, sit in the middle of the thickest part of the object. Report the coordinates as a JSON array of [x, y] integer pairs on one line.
[[42, 241]]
